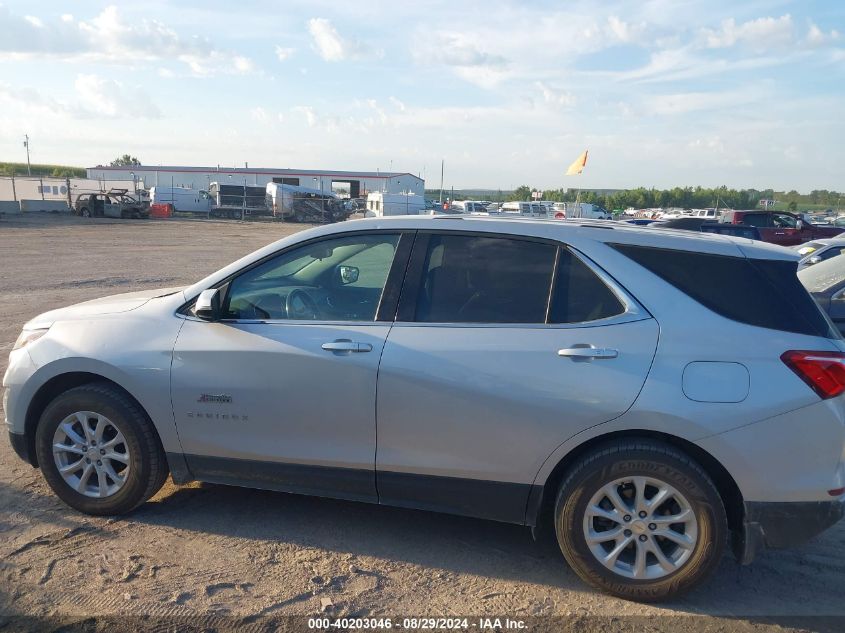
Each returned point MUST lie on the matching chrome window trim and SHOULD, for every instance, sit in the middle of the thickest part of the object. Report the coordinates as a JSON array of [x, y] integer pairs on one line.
[[634, 311], [288, 322]]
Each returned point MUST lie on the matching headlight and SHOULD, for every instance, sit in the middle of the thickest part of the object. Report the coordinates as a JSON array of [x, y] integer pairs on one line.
[[29, 336]]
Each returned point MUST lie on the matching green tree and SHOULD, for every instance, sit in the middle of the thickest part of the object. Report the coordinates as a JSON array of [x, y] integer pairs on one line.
[[792, 206], [125, 160], [523, 192]]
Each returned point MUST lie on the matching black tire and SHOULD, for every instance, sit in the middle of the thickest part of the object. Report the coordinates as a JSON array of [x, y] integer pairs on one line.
[[148, 470], [655, 460], [85, 212]]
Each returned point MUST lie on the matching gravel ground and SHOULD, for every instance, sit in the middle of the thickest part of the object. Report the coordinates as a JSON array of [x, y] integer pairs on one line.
[[209, 549]]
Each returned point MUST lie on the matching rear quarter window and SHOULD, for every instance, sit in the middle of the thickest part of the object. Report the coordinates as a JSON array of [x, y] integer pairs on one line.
[[761, 292]]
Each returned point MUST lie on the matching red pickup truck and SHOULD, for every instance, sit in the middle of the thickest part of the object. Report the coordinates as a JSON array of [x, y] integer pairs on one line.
[[785, 229]]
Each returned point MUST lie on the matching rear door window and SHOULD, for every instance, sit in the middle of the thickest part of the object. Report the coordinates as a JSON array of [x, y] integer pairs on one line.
[[479, 279], [579, 294]]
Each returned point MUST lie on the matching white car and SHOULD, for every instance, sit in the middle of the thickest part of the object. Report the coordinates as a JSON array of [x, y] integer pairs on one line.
[[526, 371], [819, 250]]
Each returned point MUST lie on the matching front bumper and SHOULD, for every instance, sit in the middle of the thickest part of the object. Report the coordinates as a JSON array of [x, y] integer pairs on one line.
[[784, 524]]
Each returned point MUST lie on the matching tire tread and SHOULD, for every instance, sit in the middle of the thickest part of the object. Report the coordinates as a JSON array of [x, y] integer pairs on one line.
[[158, 469], [674, 585]]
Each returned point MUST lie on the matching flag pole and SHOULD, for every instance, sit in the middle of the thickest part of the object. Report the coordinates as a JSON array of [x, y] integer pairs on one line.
[[577, 198], [575, 169]]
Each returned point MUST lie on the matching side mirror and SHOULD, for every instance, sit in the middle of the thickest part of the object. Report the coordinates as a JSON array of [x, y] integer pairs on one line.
[[347, 274], [207, 306], [799, 224]]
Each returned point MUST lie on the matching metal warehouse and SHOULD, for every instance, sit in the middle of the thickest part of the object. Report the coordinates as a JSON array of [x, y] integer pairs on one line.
[[355, 184]]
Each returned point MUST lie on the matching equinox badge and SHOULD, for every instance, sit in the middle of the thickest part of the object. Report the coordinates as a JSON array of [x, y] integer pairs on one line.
[[221, 398]]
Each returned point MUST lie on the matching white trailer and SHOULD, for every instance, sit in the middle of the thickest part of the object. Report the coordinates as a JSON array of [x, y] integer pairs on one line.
[[380, 204], [587, 210], [182, 199]]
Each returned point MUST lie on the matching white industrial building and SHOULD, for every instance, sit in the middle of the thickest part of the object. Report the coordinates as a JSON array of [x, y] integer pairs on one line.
[[354, 184]]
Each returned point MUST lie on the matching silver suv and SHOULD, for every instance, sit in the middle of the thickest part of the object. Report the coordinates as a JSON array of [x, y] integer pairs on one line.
[[645, 393]]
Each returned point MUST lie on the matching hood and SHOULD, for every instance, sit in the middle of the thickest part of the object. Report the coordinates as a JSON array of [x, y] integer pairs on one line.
[[113, 304]]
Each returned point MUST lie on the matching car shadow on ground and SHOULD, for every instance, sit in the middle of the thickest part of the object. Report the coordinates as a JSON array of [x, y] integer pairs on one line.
[[430, 539], [780, 588], [464, 546]]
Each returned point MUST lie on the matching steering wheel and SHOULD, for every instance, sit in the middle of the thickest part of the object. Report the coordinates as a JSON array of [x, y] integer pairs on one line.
[[300, 306]]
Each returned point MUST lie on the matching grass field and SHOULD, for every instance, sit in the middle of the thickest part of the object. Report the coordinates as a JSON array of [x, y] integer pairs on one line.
[[19, 169]]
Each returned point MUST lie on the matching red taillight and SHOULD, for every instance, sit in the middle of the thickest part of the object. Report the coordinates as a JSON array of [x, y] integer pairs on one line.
[[836, 492], [824, 372], [560, 215]]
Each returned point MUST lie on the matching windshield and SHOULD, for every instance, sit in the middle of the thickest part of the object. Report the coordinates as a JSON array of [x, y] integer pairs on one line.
[[824, 275], [807, 247]]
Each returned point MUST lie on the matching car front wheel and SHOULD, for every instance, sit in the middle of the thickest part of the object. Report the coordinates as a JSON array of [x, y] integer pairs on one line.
[[99, 451], [640, 520]]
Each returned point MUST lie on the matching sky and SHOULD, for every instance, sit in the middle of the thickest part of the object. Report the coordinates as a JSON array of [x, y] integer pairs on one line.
[[662, 94]]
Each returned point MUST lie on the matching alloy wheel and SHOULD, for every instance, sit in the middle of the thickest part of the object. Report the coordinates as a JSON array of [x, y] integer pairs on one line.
[[640, 528], [91, 454]]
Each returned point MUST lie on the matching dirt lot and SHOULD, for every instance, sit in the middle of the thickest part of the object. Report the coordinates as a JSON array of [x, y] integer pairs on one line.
[[203, 549]]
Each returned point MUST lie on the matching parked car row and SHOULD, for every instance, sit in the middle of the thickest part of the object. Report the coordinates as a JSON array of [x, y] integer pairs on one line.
[[534, 209]]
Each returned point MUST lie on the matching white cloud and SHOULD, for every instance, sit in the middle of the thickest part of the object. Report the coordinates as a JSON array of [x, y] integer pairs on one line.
[[284, 53], [259, 114], [93, 97], [686, 63], [554, 97], [761, 33], [309, 113], [682, 103], [110, 98], [817, 37], [108, 38], [464, 56], [330, 45], [625, 31], [460, 49], [32, 101]]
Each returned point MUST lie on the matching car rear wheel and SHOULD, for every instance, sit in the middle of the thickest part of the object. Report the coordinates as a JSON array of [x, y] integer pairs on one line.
[[99, 451], [640, 520], [85, 212]]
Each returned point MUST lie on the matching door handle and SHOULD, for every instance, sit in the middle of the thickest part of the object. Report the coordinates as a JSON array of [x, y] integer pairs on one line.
[[588, 352], [345, 345]]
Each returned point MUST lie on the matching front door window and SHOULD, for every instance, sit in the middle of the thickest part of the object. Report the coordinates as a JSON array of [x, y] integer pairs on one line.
[[339, 279]]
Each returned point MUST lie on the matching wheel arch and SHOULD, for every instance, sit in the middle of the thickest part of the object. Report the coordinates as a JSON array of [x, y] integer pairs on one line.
[[57, 385], [542, 496]]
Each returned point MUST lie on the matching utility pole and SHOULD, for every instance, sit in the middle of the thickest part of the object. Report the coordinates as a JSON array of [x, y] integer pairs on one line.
[[442, 163], [26, 145]]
